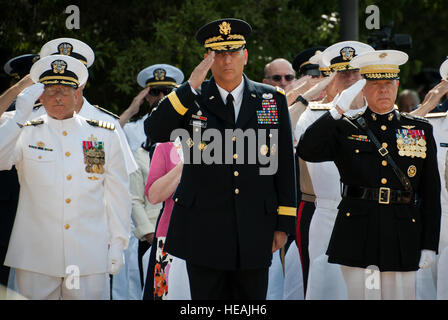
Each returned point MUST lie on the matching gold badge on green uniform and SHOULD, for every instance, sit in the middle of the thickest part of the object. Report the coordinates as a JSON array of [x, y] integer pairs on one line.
[[412, 171]]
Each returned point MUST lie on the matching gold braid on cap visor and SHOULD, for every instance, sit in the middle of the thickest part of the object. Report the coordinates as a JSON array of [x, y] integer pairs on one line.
[[218, 43], [54, 79], [226, 45], [162, 83], [342, 66], [385, 71], [380, 76]]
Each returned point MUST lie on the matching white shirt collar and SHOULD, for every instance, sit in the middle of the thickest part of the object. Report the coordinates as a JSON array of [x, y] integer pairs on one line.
[[237, 93]]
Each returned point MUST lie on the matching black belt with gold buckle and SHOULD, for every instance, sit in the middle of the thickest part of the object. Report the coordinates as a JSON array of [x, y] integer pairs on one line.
[[381, 195]]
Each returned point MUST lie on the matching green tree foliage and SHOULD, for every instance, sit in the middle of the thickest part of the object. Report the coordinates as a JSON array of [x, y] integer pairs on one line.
[[129, 35]]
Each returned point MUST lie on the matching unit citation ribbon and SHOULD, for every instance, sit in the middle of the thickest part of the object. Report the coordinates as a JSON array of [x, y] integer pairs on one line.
[[94, 156], [268, 113], [411, 143]]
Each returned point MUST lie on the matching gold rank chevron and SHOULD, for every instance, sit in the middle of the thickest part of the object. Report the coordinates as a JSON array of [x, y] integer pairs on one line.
[[280, 90]]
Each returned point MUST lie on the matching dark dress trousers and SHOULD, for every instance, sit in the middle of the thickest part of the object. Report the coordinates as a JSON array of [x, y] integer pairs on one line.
[[9, 197], [388, 232], [225, 215]]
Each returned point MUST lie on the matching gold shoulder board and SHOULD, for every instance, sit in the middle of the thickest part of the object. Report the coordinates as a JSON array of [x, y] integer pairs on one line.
[[320, 106], [435, 115], [102, 124], [33, 123], [280, 90]]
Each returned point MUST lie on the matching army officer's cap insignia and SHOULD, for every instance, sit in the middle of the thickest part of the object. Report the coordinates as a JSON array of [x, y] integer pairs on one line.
[[159, 74], [224, 28], [59, 66], [65, 48]]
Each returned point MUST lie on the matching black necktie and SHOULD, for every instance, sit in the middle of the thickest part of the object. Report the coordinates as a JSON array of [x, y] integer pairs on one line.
[[230, 107]]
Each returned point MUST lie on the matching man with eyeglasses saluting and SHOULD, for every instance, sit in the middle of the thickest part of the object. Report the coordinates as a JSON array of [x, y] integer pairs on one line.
[[279, 73], [158, 81]]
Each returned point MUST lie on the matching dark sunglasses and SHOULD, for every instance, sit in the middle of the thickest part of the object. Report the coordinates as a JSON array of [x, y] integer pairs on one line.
[[278, 77], [156, 92]]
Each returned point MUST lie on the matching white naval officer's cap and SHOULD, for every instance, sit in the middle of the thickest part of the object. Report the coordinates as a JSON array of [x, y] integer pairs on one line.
[[69, 47], [323, 67], [59, 70], [339, 55], [160, 75], [380, 64], [444, 70]]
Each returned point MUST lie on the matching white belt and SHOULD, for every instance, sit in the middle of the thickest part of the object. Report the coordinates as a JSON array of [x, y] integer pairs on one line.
[[327, 203]]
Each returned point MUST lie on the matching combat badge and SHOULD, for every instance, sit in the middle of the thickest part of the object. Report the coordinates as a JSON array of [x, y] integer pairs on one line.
[[94, 156]]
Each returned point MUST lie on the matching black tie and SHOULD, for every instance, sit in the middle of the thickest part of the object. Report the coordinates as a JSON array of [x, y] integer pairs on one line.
[[230, 107]]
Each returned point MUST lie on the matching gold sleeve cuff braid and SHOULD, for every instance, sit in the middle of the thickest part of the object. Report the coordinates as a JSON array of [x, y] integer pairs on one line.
[[287, 211], [177, 105]]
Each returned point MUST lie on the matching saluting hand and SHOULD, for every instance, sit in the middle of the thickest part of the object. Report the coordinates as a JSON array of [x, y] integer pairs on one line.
[[200, 72], [138, 100], [316, 90], [296, 88], [434, 95], [25, 102], [343, 102]]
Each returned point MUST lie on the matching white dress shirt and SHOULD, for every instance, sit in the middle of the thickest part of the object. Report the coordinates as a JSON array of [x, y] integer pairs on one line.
[[237, 94], [65, 216]]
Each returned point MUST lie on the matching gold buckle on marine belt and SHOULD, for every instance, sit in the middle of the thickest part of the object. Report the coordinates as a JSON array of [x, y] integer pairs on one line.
[[384, 195]]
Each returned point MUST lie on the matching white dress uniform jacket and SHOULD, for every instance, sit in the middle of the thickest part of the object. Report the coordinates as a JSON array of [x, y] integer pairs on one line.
[[66, 216], [135, 133], [88, 111], [425, 287]]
